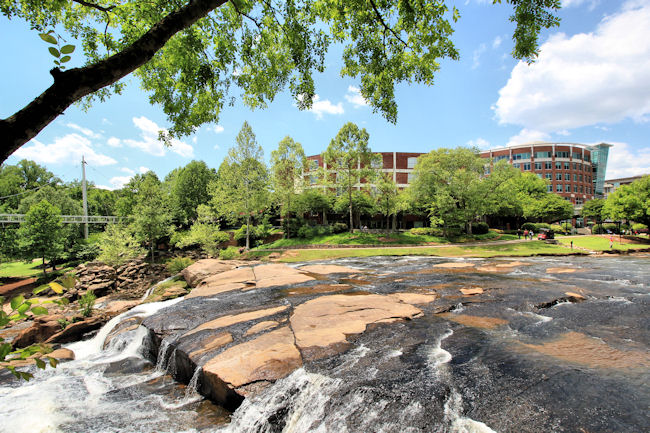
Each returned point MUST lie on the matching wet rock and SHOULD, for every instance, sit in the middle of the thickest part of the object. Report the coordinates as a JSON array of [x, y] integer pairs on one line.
[[198, 271], [122, 327], [571, 297], [261, 327], [472, 291], [211, 343], [228, 320], [75, 331], [328, 269], [37, 333], [475, 321], [454, 265], [560, 270]]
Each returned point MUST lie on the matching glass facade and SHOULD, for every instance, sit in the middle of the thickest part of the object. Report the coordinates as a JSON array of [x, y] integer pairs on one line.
[[599, 154]]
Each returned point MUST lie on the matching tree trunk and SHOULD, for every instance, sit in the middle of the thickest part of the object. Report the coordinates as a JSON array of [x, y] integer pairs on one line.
[[72, 85], [248, 231], [350, 209], [324, 217], [44, 267], [395, 221], [151, 251]]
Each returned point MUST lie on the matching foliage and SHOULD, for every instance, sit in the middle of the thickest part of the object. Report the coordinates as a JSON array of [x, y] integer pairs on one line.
[[118, 245], [639, 227], [288, 163], [41, 234], [551, 207], [189, 189], [177, 264], [308, 232], [566, 227], [87, 303], [593, 209], [386, 194], [82, 251], [480, 228], [426, 231], [15, 180], [630, 202], [229, 253], [205, 235], [529, 226], [256, 234], [240, 189], [315, 200], [339, 227], [19, 307], [152, 217], [362, 204]]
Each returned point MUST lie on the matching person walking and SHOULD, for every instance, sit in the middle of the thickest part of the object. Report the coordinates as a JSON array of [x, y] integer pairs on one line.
[[611, 242], [526, 234], [531, 235]]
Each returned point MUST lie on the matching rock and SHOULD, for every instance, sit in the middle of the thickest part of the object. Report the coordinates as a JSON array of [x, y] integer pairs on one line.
[[571, 297], [414, 298], [126, 325], [37, 333], [261, 327], [475, 321], [269, 357], [210, 344], [198, 271], [113, 308], [328, 320], [560, 270], [239, 275], [210, 290], [328, 269], [278, 275], [575, 295], [472, 291], [75, 331], [228, 320], [454, 265], [62, 354]]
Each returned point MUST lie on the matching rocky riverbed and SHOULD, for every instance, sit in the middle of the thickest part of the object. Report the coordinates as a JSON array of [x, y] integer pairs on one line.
[[384, 344]]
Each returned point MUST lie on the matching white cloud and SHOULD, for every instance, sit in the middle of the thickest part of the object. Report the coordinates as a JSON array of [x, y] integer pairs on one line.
[[67, 149], [570, 3], [481, 143], [105, 121], [127, 171], [217, 129], [325, 106], [354, 97], [603, 128], [528, 136], [143, 169], [150, 144], [563, 133], [589, 78], [624, 161], [118, 182], [496, 43], [476, 56], [84, 131], [114, 142]]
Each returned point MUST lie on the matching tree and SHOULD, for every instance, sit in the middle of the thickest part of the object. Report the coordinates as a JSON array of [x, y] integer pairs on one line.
[[361, 204], [151, 216], [350, 159], [387, 196], [41, 234], [118, 245], [189, 189], [185, 53], [631, 202], [17, 181], [128, 196], [593, 209], [315, 200], [549, 208], [288, 165], [241, 187]]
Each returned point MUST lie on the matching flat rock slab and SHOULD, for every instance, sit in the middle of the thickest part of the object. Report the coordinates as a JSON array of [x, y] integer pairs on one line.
[[472, 291], [560, 270], [328, 269], [198, 271], [454, 265], [261, 327], [229, 320]]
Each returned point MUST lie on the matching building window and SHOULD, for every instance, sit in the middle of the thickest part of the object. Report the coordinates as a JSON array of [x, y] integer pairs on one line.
[[558, 187], [542, 155], [582, 189], [548, 165], [567, 188], [410, 162], [516, 165], [567, 165], [587, 158], [575, 188], [575, 177], [579, 167], [313, 180], [576, 155], [410, 178], [500, 157], [549, 188], [578, 201], [518, 156], [548, 176], [527, 166], [538, 166], [561, 154], [558, 176], [558, 166], [567, 176]]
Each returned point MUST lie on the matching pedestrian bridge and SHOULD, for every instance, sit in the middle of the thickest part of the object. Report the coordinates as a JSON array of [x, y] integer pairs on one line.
[[66, 219]]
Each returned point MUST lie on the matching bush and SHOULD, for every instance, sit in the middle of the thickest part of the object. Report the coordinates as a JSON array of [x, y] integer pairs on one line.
[[539, 226], [86, 303], [529, 226], [339, 227], [480, 228], [639, 227], [556, 228], [206, 236], [118, 245], [597, 229], [229, 253], [177, 264], [611, 228], [308, 232], [426, 231]]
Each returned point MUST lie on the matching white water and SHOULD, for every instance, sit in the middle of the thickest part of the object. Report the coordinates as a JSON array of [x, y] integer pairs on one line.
[[83, 396]]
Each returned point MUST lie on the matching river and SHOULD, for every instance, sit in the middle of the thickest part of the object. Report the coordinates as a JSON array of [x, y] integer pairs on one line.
[[521, 357]]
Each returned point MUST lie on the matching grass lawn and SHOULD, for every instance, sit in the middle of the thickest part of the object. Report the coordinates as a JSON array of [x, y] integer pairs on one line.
[[20, 269], [600, 243], [397, 238], [516, 249]]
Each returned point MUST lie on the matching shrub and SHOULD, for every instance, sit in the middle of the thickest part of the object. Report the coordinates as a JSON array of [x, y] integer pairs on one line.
[[426, 231], [566, 227], [206, 236], [86, 303], [539, 226], [118, 245], [229, 253], [339, 227], [611, 227], [529, 226], [556, 228], [597, 229], [639, 227], [480, 228], [177, 264]]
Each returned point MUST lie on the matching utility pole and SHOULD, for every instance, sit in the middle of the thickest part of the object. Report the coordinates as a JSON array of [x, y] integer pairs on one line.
[[84, 196]]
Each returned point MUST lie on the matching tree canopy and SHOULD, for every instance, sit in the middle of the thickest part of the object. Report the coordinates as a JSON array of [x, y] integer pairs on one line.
[[193, 56]]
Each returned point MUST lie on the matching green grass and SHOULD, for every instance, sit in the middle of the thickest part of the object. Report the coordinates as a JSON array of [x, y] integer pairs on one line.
[[397, 238], [600, 243], [20, 269], [522, 249]]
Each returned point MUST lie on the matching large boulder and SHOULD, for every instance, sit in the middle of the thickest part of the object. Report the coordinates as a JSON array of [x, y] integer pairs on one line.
[[200, 270]]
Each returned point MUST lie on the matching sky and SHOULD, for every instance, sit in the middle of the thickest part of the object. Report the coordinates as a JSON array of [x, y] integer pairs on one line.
[[590, 84]]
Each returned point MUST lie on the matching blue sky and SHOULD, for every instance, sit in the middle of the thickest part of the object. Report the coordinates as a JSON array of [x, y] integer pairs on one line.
[[590, 84]]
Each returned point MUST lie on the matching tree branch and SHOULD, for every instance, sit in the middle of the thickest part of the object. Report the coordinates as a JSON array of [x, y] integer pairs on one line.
[[95, 6], [245, 15], [383, 23], [71, 85]]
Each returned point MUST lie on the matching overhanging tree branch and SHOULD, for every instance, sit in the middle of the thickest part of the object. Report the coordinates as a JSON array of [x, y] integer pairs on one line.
[[386, 26], [95, 6], [71, 85]]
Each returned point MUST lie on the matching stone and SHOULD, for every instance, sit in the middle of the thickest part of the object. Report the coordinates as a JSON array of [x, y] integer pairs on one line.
[[114, 308], [328, 269], [269, 357], [228, 320], [211, 290], [414, 298], [126, 325], [261, 327], [75, 331], [560, 270], [454, 265], [472, 291], [37, 333], [201, 269], [328, 320], [575, 295], [210, 344], [62, 354], [239, 275], [278, 275], [475, 321]]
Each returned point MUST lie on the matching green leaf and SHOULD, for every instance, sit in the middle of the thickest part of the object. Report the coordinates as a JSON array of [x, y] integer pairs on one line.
[[67, 49], [54, 52], [56, 287], [40, 363], [5, 349], [26, 376], [15, 302], [56, 62], [53, 362], [48, 38], [23, 308], [65, 59], [39, 289], [38, 310]]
